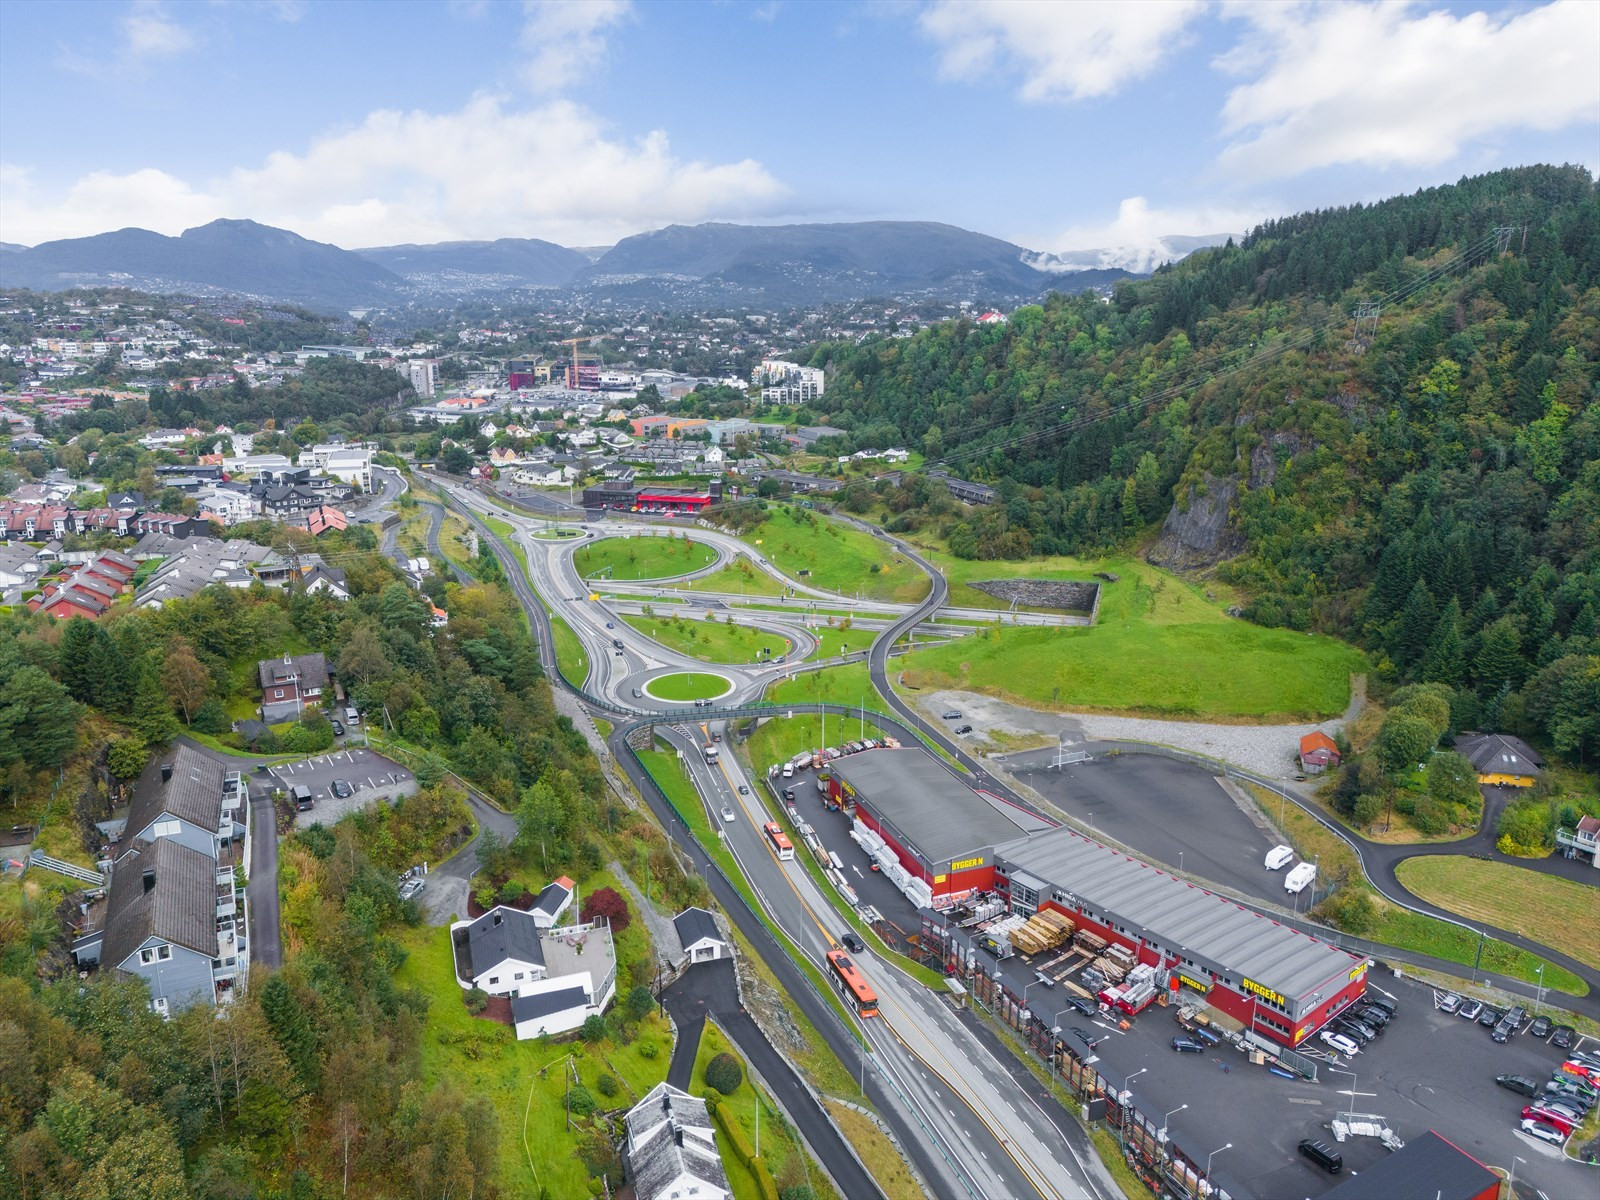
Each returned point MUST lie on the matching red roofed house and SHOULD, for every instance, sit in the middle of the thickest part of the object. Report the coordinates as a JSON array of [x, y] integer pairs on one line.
[[320, 520], [1318, 753], [89, 591]]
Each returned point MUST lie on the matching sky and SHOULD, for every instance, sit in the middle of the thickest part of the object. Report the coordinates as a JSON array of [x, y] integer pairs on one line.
[[1063, 127]]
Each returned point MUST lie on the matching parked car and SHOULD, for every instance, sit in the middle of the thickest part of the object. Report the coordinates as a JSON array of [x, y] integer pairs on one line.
[[1470, 1010], [1083, 1005], [1450, 1002], [1544, 1132], [1585, 1056], [1521, 1084], [1185, 1045], [1541, 1112], [1383, 1002], [1561, 1037], [854, 944], [963, 728], [1582, 1070], [411, 886], [338, 727], [342, 789], [1374, 1016], [1340, 1043], [1357, 1033], [1490, 1016], [1539, 1027], [1570, 1089], [1567, 1110], [952, 715]]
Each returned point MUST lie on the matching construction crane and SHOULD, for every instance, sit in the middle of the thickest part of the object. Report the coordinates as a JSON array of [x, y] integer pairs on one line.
[[572, 380]]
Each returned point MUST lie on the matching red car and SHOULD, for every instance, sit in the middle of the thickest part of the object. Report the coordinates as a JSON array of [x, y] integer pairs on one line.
[[1561, 1121], [1582, 1071]]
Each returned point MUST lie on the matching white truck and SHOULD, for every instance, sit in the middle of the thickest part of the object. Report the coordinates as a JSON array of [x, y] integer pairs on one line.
[[1279, 856], [1297, 880]]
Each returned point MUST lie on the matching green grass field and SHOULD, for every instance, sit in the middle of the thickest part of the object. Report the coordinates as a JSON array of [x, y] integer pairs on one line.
[[1227, 670], [571, 657], [849, 683], [709, 641], [688, 685], [839, 557], [523, 1080], [740, 578], [1546, 908], [634, 558], [781, 738]]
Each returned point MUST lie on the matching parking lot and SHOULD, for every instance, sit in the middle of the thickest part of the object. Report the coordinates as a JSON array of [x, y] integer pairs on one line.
[[370, 775]]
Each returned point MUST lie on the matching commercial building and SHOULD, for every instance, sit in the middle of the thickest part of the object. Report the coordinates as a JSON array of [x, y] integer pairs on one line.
[[1426, 1168], [1280, 982], [648, 498]]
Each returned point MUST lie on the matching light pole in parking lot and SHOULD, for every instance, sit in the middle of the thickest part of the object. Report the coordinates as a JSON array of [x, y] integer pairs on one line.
[[1124, 1105], [1353, 1086], [1511, 1178], [1212, 1155], [1166, 1142]]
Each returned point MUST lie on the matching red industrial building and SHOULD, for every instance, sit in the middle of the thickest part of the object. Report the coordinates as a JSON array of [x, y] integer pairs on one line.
[[1280, 982], [647, 498]]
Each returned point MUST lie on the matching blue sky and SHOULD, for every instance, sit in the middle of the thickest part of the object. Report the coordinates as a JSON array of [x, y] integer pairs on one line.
[[1063, 127]]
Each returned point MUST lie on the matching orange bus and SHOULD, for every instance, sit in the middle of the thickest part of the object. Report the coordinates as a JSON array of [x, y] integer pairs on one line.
[[779, 839], [852, 985]]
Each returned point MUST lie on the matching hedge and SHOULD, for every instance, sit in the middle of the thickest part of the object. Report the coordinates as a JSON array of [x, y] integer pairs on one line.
[[764, 1180], [735, 1134]]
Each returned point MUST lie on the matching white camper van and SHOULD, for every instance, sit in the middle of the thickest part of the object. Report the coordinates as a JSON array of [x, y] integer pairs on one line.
[[1279, 856], [1297, 879]]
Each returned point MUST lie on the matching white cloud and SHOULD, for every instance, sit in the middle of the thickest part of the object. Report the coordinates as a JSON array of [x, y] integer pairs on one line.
[[1387, 85], [484, 171], [1141, 238], [1059, 51], [149, 31], [566, 39]]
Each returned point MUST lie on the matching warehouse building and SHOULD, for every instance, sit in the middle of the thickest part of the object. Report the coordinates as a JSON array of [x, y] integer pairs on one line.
[[649, 498], [1280, 982]]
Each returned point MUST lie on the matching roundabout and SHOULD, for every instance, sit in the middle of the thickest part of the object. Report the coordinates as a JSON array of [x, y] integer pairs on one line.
[[556, 535], [683, 686], [630, 559]]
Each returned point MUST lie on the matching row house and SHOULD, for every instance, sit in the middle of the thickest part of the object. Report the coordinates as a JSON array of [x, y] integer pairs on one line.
[[103, 520], [172, 524], [175, 915], [34, 522], [90, 591]]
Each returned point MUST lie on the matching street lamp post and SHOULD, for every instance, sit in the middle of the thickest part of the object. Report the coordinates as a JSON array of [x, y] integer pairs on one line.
[[1166, 1154], [1212, 1155], [1122, 1103], [1538, 999], [1511, 1181], [1354, 1083]]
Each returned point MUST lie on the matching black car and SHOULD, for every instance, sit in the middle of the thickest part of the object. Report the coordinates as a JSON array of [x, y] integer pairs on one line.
[[1086, 1007], [338, 728], [854, 944], [1539, 1027], [1383, 1002], [1490, 1016], [1354, 1030], [952, 715], [1561, 1037], [1376, 1017], [963, 728], [1187, 1046], [342, 789], [1519, 1084], [1086, 1037]]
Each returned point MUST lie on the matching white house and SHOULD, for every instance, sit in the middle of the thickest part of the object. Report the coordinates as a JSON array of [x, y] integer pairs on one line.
[[553, 901], [700, 937], [504, 951], [714, 456], [671, 1148]]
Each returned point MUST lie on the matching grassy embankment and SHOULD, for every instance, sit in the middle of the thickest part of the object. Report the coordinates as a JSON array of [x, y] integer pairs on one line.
[[1159, 647], [571, 658], [710, 641], [838, 557], [781, 1148], [687, 685], [1546, 908], [635, 558], [525, 1081], [1401, 928]]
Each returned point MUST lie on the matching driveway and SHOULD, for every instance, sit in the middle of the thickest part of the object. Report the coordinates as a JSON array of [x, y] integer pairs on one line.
[[261, 889], [444, 900]]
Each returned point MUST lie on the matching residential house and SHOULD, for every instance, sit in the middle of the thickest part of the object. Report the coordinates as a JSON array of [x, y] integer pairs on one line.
[[552, 902], [438, 618], [1501, 759], [699, 935], [962, 489], [1318, 753], [323, 518], [172, 524], [227, 504], [1585, 839], [504, 950], [671, 1148], [118, 521], [88, 592], [29, 522], [325, 580], [190, 564], [290, 684]]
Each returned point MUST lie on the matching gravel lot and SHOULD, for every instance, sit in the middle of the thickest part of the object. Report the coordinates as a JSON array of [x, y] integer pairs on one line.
[[1265, 749]]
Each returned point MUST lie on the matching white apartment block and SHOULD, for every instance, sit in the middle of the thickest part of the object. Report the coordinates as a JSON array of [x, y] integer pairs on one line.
[[353, 464], [421, 373], [783, 382]]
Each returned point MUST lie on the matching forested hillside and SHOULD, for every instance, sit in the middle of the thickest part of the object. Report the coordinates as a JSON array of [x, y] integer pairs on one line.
[[1429, 488]]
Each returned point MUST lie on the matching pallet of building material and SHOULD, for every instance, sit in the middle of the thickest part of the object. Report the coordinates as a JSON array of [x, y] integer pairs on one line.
[[1062, 922], [1049, 925], [1091, 943], [1118, 953], [1111, 970], [1027, 942]]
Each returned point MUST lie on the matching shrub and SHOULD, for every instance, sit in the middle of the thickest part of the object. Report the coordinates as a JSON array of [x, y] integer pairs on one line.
[[211, 718], [725, 1073], [1351, 909], [606, 902], [649, 1051], [1367, 809], [764, 1180], [638, 1003], [477, 1000], [606, 1085], [594, 1028], [512, 891], [581, 1100], [735, 1134], [799, 1191]]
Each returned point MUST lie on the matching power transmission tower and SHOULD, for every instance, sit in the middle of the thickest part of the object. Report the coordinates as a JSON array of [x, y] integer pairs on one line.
[[1366, 324], [1502, 237]]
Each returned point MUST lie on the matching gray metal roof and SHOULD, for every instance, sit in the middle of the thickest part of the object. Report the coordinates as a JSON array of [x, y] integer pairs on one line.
[[503, 933], [179, 907], [552, 896], [934, 813], [194, 792], [696, 924], [670, 1135], [1176, 915], [310, 670], [545, 1004]]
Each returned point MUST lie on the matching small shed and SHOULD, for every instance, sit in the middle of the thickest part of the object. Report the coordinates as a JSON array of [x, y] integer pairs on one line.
[[700, 936], [1318, 753]]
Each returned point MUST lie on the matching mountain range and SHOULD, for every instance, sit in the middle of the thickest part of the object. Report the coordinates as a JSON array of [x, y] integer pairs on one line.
[[677, 265]]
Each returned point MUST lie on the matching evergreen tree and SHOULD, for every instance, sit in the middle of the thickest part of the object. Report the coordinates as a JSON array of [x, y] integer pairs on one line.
[[1444, 661], [1414, 627], [38, 719], [77, 659], [291, 1029], [1498, 663], [152, 708]]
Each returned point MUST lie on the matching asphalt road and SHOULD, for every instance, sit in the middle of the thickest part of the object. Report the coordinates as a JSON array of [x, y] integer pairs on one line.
[[709, 989], [261, 889]]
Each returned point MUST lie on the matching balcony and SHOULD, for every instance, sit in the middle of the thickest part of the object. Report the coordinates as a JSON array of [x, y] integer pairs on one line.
[[1570, 842]]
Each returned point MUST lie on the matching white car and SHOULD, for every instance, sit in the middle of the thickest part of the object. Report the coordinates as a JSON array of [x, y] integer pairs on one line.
[[1544, 1132], [1341, 1043], [727, 812]]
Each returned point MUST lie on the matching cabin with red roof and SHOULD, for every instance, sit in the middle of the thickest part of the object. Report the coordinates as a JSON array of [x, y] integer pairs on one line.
[[1318, 753]]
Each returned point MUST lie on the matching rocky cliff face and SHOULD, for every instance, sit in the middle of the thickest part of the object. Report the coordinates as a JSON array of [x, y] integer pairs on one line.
[[1198, 534]]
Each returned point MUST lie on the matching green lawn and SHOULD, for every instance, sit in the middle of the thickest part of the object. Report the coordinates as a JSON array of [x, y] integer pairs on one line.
[[1212, 670], [501, 528], [781, 1150], [781, 738], [1546, 908], [709, 641], [849, 683], [740, 578], [523, 1080], [571, 658], [688, 685], [839, 557], [633, 558]]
